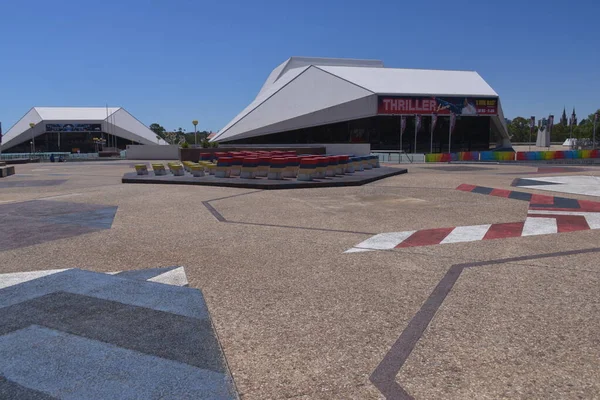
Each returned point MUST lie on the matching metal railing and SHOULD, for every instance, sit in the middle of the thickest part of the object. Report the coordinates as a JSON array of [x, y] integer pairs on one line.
[[399, 157]]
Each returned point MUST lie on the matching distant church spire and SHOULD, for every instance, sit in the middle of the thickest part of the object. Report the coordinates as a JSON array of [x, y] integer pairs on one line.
[[574, 117], [563, 119]]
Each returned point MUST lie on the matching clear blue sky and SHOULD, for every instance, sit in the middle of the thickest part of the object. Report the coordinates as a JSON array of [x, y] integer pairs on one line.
[[178, 60]]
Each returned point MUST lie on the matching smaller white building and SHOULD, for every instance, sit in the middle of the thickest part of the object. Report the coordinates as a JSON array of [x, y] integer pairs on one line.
[[87, 129]]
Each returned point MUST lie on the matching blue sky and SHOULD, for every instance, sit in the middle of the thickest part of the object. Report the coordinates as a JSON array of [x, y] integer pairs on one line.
[[175, 61]]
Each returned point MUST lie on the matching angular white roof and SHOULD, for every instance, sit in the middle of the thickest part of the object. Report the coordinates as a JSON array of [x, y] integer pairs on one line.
[[416, 82], [308, 91], [74, 113], [115, 120]]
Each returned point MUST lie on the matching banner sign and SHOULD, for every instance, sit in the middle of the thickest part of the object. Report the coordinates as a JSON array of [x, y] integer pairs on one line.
[[393, 105], [418, 119], [452, 121], [532, 123], [433, 122], [73, 127]]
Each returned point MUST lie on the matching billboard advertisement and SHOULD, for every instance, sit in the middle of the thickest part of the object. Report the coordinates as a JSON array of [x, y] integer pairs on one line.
[[466, 106], [73, 127]]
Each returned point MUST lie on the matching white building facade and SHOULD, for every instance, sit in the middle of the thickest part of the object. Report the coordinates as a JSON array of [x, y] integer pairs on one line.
[[84, 129], [327, 100]]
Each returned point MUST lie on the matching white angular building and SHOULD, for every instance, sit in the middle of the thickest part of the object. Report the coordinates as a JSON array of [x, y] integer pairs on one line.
[[329, 100], [60, 129]]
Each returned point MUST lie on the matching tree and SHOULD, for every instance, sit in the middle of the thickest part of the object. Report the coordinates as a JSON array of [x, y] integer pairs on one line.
[[518, 130], [158, 130]]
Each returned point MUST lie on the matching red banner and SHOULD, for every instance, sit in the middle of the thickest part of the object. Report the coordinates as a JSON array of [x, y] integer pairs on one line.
[[467, 106]]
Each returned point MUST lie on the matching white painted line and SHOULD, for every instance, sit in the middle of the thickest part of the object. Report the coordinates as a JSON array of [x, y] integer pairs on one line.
[[539, 226], [15, 278], [174, 277], [545, 212], [385, 241], [593, 220], [59, 196], [356, 250], [466, 234]]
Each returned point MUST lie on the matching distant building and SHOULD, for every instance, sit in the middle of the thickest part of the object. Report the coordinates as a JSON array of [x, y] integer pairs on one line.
[[84, 129], [563, 118], [542, 122], [508, 121]]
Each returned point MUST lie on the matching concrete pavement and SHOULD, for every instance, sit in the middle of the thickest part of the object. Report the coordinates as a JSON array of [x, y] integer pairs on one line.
[[299, 318]]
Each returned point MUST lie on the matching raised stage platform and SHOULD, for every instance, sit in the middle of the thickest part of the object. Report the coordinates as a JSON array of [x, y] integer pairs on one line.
[[355, 179]]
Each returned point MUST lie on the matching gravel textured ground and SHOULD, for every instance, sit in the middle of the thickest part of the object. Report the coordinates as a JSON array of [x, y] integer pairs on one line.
[[298, 318]]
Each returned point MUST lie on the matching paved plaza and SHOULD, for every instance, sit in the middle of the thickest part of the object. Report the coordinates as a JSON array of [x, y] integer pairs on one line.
[[452, 281]]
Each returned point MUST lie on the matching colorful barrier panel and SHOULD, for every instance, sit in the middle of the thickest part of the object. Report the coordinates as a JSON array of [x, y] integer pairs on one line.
[[512, 156]]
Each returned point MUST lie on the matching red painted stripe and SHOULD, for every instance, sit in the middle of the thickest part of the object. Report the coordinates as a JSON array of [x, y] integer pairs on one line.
[[426, 237], [541, 199], [500, 193], [570, 223], [589, 206], [466, 188], [506, 230]]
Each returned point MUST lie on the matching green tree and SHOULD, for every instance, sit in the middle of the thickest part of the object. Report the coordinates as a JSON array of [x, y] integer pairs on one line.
[[559, 133], [518, 130], [158, 130]]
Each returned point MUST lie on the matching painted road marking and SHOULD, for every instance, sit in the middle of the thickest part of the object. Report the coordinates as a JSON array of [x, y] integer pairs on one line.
[[546, 215], [539, 226], [466, 234], [385, 241]]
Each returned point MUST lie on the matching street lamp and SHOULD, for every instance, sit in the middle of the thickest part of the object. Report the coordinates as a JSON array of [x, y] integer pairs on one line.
[[32, 125], [195, 122]]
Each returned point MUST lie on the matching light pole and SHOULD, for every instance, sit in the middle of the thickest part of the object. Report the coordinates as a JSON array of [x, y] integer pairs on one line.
[[195, 122], [32, 125]]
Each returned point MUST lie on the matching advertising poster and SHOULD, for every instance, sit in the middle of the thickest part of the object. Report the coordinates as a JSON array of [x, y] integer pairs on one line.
[[73, 127], [464, 106]]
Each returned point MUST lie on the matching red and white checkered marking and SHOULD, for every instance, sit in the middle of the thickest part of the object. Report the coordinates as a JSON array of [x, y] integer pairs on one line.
[[543, 218]]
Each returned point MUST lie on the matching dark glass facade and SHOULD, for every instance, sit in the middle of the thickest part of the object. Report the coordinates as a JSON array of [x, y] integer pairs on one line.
[[383, 133], [69, 142]]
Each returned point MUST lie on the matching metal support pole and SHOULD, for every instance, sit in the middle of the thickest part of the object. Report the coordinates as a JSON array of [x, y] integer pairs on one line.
[[415, 146], [431, 140], [400, 152], [450, 135], [594, 132]]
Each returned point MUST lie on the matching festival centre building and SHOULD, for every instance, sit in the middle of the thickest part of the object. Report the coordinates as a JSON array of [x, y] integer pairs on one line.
[[329, 100], [72, 129]]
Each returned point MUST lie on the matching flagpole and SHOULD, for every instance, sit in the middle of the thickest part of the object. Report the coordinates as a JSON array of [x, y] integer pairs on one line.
[[415, 146], [594, 133], [400, 152], [431, 140], [450, 134]]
